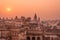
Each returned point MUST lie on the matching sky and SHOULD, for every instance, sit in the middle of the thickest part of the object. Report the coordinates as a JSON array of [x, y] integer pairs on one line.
[[45, 9]]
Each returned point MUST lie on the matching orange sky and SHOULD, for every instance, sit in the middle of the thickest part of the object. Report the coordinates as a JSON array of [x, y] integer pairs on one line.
[[46, 9]]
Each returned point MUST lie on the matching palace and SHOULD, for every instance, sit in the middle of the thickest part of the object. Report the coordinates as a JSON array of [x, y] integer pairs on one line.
[[29, 29]]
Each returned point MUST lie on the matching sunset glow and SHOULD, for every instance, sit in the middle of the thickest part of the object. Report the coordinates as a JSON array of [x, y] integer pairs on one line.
[[8, 9], [46, 9]]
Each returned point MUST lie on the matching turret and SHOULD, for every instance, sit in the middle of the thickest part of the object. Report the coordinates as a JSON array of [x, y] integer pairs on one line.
[[16, 18]]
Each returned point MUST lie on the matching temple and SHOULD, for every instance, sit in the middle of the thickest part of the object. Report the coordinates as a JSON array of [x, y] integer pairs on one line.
[[29, 29]]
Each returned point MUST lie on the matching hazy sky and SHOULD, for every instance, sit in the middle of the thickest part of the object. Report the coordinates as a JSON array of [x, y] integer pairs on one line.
[[45, 9]]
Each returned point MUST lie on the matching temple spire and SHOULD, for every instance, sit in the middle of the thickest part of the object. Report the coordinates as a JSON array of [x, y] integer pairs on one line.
[[35, 17]]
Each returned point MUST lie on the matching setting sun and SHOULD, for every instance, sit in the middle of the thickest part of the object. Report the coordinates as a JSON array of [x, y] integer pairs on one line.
[[8, 9], [46, 9]]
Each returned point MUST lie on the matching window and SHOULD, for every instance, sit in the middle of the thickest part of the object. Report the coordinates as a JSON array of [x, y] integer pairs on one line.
[[38, 38], [28, 38], [33, 38]]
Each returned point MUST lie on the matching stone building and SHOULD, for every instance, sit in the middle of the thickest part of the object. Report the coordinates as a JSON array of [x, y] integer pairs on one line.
[[27, 29]]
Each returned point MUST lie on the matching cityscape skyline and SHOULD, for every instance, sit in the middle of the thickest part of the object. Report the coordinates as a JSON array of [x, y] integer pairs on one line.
[[29, 19], [27, 29], [45, 9], [42, 19]]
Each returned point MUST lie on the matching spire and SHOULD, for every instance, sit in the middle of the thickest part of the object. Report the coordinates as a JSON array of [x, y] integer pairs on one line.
[[35, 17], [16, 18]]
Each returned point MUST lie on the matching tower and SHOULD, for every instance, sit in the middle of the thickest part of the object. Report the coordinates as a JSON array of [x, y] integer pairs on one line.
[[35, 17], [16, 18]]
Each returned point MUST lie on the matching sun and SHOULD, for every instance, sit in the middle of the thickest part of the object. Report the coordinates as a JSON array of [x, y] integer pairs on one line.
[[8, 9]]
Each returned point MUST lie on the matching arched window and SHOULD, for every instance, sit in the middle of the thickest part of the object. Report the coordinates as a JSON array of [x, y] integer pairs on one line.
[[33, 38], [47, 38], [28, 38], [38, 38]]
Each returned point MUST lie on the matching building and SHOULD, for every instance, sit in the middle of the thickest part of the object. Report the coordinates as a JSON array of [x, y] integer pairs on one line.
[[28, 29]]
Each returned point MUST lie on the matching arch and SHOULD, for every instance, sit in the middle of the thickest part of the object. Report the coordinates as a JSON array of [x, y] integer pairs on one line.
[[33, 38], [28, 38], [38, 38], [47, 38]]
